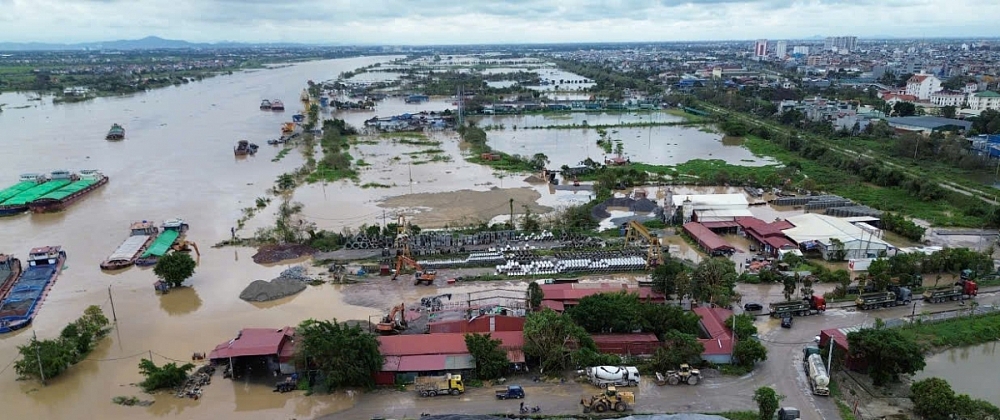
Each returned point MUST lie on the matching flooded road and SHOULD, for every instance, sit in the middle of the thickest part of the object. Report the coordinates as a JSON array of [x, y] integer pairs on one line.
[[176, 161]]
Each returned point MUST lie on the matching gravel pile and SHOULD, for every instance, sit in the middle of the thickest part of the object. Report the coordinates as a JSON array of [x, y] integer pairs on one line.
[[274, 253], [263, 291], [535, 179], [295, 273]]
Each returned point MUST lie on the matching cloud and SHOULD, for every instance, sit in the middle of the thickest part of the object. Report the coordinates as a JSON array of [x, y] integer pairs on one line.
[[484, 21]]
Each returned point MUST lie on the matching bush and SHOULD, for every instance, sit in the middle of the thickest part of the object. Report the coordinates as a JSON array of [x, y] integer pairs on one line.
[[159, 377]]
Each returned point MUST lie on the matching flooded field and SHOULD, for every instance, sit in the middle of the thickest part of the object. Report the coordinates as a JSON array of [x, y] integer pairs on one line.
[[963, 369], [576, 118], [665, 145]]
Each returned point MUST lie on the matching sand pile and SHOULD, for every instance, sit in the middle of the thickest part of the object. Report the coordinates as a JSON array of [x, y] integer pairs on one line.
[[535, 179], [263, 291]]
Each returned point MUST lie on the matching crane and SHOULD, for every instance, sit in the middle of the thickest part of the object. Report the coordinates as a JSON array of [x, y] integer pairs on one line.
[[391, 325], [420, 276], [637, 231]]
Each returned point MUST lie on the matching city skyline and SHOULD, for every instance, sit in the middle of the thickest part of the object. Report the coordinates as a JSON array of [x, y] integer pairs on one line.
[[397, 22]]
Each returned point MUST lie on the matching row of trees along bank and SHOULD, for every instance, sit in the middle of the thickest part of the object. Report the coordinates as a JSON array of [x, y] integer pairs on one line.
[[49, 358]]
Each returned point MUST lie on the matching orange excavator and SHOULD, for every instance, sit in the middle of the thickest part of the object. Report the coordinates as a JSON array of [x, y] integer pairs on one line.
[[420, 276], [391, 325]]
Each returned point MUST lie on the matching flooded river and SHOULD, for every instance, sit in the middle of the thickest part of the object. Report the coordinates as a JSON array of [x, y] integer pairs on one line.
[[963, 369]]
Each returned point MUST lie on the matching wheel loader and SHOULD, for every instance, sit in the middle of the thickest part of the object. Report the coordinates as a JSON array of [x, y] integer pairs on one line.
[[610, 399], [686, 375]]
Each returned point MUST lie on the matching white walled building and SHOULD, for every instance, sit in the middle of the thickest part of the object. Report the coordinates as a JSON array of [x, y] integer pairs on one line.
[[829, 235], [711, 207], [781, 49], [922, 86], [947, 97], [984, 100], [760, 48], [801, 49]]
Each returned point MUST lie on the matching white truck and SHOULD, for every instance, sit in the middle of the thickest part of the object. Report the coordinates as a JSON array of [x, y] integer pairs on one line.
[[603, 376], [818, 378]]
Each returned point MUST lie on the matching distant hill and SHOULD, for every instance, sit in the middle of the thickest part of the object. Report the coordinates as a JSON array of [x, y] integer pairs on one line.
[[147, 43]]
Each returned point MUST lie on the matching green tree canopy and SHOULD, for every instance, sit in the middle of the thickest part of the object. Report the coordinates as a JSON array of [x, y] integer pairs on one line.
[[160, 377], [742, 325], [664, 277], [934, 399], [660, 319], [344, 355], [75, 341], [535, 296], [174, 268], [548, 336], [767, 400], [677, 348], [748, 352], [714, 280], [618, 312], [491, 359], [887, 352]]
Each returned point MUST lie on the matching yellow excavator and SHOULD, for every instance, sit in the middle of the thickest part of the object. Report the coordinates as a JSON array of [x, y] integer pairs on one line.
[[186, 246], [610, 399], [636, 231], [391, 325]]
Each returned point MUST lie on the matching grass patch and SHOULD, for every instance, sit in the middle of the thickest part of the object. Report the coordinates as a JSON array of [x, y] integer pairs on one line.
[[374, 185], [404, 134], [425, 152], [957, 332], [361, 163], [845, 412], [733, 370], [281, 154], [417, 142]]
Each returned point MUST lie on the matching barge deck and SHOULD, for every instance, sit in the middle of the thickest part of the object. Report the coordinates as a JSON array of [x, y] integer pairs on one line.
[[20, 306]]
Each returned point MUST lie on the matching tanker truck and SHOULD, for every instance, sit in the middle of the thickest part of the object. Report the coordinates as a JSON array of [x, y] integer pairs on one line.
[[818, 379], [603, 376]]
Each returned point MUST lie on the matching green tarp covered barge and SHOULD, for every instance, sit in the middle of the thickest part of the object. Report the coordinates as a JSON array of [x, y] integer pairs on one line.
[[17, 202], [170, 233], [85, 183]]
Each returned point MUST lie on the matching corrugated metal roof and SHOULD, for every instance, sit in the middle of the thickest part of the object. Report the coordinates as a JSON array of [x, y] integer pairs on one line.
[[422, 363], [390, 363], [821, 228], [625, 338], [706, 238], [443, 343], [254, 342], [710, 200]]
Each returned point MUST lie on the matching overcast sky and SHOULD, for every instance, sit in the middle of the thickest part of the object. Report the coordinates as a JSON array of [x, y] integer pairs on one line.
[[487, 21]]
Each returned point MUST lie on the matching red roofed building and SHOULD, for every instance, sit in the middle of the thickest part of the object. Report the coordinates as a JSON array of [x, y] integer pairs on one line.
[[480, 324], [719, 344], [711, 243], [559, 296], [839, 337], [768, 236], [253, 347], [407, 356], [627, 344]]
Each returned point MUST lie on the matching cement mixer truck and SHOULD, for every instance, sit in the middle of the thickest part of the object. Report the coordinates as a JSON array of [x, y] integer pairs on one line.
[[819, 381], [603, 376]]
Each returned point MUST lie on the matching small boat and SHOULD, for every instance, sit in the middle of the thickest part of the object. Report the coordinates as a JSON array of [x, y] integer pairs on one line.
[[277, 105], [85, 183], [140, 236], [117, 132], [265, 105], [244, 148], [25, 298]]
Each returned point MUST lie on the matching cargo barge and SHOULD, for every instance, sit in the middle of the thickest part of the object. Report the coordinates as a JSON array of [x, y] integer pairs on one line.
[[19, 202], [85, 183], [171, 232], [244, 148], [141, 234], [277, 105], [10, 270], [25, 182], [117, 132], [265, 105], [20, 306]]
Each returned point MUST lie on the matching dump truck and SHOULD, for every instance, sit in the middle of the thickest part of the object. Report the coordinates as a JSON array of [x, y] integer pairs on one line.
[[964, 289], [886, 299], [801, 307], [431, 386], [610, 399], [603, 376], [818, 378]]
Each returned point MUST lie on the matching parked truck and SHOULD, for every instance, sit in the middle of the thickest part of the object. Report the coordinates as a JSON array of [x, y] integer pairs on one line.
[[886, 299], [603, 376], [788, 413], [431, 386], [801, 307], [812, 362], [964, 289]]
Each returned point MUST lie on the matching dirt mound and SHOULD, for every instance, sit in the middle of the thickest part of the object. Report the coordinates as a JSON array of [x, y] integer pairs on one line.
[[263, 291], [270, 254], [535, 179]]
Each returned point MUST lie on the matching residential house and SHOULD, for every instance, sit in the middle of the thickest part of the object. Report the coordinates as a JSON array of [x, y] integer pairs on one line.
[[922, 86], [559, 296], [984, 100], [253, 347], [892, 99]]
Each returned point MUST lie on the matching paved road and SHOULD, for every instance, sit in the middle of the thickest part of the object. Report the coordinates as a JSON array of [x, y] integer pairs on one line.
[[782, 371]]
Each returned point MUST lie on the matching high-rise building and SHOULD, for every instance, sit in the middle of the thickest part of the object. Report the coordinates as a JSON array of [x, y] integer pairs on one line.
[[781, 49], [801, 49], [760, 48], [840, 43]]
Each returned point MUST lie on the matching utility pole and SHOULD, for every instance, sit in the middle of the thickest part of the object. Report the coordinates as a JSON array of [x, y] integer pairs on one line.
[[829, 358], [114, 316], [512, 226], [383, 219], [38, 355]]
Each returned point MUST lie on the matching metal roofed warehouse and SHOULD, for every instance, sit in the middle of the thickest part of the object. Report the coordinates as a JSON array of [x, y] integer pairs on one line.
[[928, 124], [817, 231]]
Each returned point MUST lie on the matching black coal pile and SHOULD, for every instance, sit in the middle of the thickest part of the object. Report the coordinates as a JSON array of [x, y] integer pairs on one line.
[[642, 205]]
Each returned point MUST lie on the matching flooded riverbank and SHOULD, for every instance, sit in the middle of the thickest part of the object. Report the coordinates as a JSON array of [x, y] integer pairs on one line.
[[963, 369]]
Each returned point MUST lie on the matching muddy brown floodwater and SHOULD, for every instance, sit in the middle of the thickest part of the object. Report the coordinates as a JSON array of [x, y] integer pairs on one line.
[[176, 161]]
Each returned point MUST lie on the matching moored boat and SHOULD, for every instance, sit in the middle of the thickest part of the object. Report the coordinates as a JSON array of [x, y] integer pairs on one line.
[[117, 132], [86, 182], [10, 270], [244, 147], [19, 202], [141, 234], [171, 231], [277, 105], [25, 298], [265, 105], [25, 182]]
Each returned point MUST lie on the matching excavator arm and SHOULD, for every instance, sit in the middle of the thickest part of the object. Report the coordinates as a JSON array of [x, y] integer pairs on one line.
[[636, 231]]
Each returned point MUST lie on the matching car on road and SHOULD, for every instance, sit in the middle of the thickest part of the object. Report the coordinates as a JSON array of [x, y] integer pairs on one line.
[[786, 322], [752, 306], [511, 392]]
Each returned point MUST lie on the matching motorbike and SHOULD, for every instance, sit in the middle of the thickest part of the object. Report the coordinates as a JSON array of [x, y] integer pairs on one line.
[[535, 409]]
